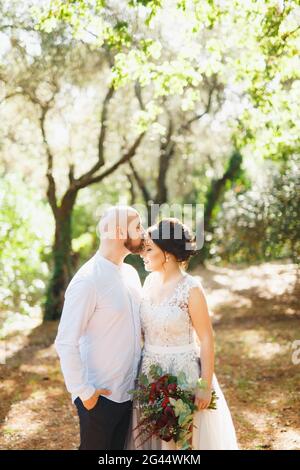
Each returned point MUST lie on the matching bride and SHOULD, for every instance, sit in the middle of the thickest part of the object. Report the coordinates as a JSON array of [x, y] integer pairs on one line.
[[175, 320]]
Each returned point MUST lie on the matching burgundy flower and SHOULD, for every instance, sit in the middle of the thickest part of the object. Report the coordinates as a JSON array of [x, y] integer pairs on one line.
[[160, 386], [168, 411], [167, 438], [165, 402], [162, 421], [172, 387], [163, 378], [158, 417], [152, 393]]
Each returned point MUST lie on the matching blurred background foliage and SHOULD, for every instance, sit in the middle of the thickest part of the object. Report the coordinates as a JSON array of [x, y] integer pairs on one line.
[[144, 102]]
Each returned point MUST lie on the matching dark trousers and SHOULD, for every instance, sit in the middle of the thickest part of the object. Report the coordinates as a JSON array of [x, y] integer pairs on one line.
[[105, 426]]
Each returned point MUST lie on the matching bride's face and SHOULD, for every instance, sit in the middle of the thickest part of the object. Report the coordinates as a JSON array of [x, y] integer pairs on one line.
[[153, 256]]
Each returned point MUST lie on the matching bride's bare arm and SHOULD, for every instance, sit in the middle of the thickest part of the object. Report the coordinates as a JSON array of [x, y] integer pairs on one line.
[[200, 318]]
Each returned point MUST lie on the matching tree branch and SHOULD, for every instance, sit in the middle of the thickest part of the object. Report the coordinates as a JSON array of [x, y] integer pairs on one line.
[[197, 117], [11, 95], [71, 174], [289, 33], [124, 159], [167, 147], [138, 94], [51, 190], [131, 188], [140, 182], [100, 162]]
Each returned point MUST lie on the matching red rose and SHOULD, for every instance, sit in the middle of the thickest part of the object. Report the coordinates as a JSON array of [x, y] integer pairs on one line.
[[165, 402], [160, 386], [152, 393], [163, 378]]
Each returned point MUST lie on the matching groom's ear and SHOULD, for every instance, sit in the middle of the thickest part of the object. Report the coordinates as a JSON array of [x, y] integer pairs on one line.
[[120, 233]]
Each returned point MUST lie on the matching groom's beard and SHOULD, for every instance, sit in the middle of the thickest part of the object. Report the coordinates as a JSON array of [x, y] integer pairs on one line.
[[134, 249]]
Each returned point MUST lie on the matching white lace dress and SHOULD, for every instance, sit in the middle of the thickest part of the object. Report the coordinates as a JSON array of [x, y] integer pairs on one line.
[[170, 341]]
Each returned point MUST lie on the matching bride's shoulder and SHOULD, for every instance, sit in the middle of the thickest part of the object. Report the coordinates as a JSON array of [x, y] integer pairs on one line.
[[193, 281]]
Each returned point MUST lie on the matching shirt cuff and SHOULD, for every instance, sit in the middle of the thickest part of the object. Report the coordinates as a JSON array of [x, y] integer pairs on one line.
[[87, 393]]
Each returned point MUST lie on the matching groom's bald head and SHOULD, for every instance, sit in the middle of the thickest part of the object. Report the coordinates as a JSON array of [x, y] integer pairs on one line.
[[117, 219], [122, 225]]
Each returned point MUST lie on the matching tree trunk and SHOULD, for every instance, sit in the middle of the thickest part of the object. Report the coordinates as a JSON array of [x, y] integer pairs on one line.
[[62, 259], [161, 189], [213, 199]]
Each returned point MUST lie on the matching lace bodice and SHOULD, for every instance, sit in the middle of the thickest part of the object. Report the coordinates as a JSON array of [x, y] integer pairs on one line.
[[167, 323], [168, 330], [170, 343]]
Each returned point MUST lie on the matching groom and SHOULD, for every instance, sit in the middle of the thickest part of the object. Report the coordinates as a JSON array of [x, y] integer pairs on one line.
[[99, 335]]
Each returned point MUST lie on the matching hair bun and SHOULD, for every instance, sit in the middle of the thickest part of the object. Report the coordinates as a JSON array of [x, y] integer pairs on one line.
[[173, 236]]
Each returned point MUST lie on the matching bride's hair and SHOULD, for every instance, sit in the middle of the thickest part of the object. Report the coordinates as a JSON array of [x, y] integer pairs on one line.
[[174, 237]]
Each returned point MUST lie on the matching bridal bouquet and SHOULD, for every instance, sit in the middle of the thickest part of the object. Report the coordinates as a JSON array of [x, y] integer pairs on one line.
[[166, 407]]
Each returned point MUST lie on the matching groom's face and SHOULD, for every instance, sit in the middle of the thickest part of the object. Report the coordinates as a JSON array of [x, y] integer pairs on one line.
[[135, 235]]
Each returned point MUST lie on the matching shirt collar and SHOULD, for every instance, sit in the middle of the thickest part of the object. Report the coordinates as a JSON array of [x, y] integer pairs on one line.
[[107, 263]]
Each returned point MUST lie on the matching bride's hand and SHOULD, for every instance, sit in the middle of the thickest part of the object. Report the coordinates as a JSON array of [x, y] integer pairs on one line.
[[203, 399]]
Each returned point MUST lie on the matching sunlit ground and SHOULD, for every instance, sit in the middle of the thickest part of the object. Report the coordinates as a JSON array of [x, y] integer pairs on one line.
[[255, 319]]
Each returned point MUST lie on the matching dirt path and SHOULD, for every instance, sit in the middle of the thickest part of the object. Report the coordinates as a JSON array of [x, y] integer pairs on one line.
[[255, 320]]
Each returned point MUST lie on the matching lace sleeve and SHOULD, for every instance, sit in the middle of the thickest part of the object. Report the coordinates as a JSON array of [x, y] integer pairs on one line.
[[194, 282], [186, 287]]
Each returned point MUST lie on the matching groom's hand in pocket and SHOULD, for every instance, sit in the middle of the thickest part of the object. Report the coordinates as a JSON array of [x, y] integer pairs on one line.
[[92, 401]]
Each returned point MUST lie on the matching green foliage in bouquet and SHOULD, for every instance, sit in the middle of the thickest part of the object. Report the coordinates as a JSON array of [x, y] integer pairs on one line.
[[167, 407]]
